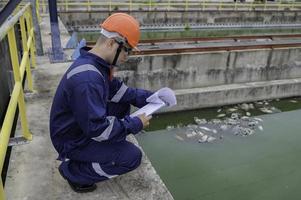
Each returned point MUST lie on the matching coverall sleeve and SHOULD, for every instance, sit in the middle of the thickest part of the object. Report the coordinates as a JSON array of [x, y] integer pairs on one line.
[[120, 93], [89, 108]]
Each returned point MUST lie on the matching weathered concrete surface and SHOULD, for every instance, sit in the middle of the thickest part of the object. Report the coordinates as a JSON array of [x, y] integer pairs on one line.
[[194, 98], [93, 18], [33, 173], [193, 70]]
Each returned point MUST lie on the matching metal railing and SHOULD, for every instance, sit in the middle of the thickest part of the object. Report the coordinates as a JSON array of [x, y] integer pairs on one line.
[[23, 3], [24, 18], [169, 5]]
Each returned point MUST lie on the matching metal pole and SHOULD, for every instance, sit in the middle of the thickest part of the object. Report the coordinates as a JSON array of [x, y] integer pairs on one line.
[[8, 9], [57, 51], [37, 31]]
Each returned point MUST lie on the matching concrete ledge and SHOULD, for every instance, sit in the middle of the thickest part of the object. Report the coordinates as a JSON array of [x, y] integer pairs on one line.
[[189, 99]]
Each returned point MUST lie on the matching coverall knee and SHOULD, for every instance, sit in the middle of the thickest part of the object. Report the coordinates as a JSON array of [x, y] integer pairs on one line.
[[99, 161]]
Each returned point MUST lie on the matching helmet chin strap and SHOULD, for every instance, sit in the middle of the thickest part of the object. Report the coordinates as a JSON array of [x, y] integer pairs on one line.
[[117, 53], [115, 59]]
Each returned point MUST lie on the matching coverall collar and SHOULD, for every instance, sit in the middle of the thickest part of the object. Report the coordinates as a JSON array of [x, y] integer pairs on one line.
[[84, 51]]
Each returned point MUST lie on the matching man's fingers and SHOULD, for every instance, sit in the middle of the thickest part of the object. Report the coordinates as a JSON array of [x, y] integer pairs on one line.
[[145, 119]]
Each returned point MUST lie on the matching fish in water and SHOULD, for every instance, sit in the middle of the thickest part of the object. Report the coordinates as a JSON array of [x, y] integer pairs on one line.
[[252, 124], [234, 116], [216, 121], [192, 134], [266, 110], [231, 121], [203, 139], [169, 128], [201, 134], [221, 115], [251, 106], [258, 119], [211, 139], [232, 109], [200, 121], [245, 117], [244, 106], [206, 138], [205, 128], [260, 128], [224, 127], [208, 129]]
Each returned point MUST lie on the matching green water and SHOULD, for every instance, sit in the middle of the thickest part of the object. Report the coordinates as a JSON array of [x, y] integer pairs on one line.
[[263, 166], [91, 37], [183, 118]]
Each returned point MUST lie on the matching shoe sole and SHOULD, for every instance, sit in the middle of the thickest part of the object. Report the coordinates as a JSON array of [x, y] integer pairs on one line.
[[75, 189]]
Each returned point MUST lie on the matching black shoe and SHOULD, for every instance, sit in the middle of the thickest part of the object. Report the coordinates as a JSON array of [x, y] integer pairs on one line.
[[76, 187]]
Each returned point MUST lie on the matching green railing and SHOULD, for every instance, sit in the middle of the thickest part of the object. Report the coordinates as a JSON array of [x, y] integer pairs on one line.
[[24, 18]]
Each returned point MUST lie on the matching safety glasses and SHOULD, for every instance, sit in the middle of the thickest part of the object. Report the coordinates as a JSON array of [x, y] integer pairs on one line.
[[125, 47]]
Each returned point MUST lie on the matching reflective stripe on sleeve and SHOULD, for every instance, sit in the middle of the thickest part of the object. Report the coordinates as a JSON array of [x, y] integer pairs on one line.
[[119, 94], [83, 68], [106, 133]]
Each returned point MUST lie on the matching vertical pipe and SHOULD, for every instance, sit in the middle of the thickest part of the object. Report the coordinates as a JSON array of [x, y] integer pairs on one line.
[[14, 54], [24, 124], [25, 53], [37, 31], [30, 30], [57, 51]]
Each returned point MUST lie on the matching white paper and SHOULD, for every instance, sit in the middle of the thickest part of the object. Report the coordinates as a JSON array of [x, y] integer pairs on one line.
[[148, 109], [161, 98]]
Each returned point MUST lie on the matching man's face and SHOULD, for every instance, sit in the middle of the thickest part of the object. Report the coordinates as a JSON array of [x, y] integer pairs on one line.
[[125, 51]]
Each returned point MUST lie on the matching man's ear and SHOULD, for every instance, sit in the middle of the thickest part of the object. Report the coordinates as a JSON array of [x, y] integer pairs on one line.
[[110, 43]]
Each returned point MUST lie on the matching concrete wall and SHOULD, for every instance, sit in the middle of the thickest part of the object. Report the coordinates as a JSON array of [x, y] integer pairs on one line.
[[181, 71], [190, 99], [93, 18]]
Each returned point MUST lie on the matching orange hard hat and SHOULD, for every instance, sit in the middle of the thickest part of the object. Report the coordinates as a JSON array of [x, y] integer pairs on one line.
[[125, 25]]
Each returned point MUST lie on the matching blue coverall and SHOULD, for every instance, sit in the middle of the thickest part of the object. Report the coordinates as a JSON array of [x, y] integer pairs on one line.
[[89, 122]]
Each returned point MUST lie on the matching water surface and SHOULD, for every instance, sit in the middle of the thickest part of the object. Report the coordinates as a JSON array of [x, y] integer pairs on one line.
[[265, 165]]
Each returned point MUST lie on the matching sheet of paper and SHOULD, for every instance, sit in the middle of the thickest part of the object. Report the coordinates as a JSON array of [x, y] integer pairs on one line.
[[164, 94], [161, 98], [148, 109]]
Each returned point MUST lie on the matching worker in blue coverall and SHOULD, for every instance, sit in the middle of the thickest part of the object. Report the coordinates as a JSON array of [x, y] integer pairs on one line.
[[89, 118]]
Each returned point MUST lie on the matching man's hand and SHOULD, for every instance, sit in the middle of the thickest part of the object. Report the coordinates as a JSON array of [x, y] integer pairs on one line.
[[144, 119]]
